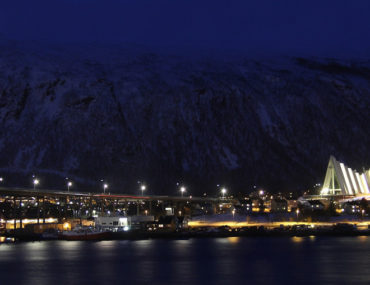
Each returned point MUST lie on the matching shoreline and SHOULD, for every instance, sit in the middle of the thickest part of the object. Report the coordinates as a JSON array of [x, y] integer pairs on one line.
[[344, 230]]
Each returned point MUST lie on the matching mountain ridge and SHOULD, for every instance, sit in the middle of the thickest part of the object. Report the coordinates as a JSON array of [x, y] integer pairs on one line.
[[125, 116]]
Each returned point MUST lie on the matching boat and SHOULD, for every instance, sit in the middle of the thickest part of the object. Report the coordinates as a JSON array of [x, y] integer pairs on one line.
[[50, 234], [85, 234]]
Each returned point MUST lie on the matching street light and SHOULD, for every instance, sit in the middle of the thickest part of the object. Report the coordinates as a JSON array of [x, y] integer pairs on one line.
[[1, 179], [223, 192], [35, 182], [297, 214], [142, 188], [105, 186], [69, 184], [182, 190]]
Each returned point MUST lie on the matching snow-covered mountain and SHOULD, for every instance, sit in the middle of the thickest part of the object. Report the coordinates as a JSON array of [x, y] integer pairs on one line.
[[127, 114]]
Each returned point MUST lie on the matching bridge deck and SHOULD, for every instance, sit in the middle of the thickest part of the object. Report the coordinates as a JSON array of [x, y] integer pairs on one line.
[[29, 192]]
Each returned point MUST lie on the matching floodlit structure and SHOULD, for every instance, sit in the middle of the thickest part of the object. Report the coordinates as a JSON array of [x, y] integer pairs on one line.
[[342, 180]]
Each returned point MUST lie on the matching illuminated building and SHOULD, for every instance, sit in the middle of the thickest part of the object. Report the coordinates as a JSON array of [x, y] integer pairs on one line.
[[279, 205], [342, 180]]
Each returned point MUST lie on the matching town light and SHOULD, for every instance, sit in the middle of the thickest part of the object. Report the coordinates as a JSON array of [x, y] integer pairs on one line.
[[142, 188], [297, 214], [223, 192], [1, 179], [69, 184], [105, 186], [35, 182], [182, 190], [66, 226]]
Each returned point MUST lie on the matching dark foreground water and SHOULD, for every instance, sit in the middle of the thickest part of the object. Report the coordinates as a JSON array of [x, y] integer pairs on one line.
[[308, 260]]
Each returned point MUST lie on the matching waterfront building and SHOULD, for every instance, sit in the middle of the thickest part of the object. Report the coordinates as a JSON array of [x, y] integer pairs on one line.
[[243, 206], [352, 208], [172, 223], [120, 223], [257, 205], [292, 205], [279, 205], [315, 205]]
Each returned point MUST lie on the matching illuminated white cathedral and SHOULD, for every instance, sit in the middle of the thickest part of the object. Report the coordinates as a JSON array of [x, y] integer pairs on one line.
[[342, 180]]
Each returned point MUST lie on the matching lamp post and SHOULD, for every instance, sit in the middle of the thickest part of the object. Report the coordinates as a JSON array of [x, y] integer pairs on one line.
[[35, 182], [69, 184], [297, 214], [105, 186], [182, 190], [223, 192], [142, 188], [1, 179]]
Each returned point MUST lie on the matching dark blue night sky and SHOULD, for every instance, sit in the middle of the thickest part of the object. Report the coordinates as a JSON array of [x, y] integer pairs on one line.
[[334, 27]]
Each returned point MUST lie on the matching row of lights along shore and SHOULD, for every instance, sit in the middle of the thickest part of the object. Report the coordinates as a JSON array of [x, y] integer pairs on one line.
[[36, 181]]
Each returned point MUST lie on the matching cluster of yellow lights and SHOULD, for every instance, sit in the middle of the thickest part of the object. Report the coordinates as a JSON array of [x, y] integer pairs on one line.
[[235, 224], [66, 226], [33, 221]]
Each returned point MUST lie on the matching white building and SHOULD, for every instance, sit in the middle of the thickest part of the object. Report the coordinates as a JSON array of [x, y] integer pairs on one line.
[[121, 223], [112, 223], [342, 180]]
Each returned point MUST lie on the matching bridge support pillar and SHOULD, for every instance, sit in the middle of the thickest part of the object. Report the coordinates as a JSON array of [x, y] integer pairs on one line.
[[38, 209], [43, 210], [20, 213], [15, 213]]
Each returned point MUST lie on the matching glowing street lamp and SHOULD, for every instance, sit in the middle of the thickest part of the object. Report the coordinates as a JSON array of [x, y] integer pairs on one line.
[[182, 190], [142, 188], [35, 182], [1, 179], [69, 184], [223, 192], [297, 214], [105, 186]]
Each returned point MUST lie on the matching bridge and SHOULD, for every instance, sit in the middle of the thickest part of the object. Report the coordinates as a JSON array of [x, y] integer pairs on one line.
[[20, 206]]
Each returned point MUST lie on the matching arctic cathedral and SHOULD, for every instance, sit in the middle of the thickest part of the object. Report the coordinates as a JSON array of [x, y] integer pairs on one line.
[[342, 180]]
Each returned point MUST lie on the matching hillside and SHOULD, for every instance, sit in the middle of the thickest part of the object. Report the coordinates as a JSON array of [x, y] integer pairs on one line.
[[127, 114]]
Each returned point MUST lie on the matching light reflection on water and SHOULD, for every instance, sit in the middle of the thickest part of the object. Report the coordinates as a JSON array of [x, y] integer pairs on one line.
[[231, 260], [297, 239], [233, 240]]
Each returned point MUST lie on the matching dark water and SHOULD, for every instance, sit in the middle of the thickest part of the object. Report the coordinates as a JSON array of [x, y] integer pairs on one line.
[[308, 260]]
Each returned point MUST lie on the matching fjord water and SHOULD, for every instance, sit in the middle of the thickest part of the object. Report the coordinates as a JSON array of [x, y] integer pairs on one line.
[[308, 260]]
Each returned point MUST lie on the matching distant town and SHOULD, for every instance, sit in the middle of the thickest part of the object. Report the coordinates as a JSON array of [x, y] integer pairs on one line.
[[340, 207]]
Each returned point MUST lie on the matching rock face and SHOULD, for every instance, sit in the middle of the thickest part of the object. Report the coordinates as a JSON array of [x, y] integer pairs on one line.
[[125, 115]]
